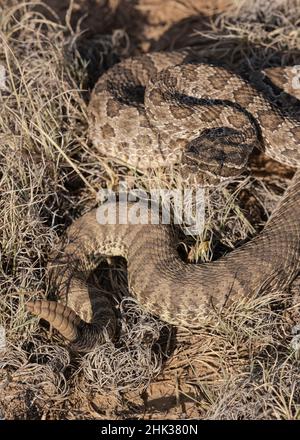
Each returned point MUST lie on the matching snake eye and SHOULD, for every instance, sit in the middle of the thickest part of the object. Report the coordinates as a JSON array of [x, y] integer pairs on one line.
[[193, 148]]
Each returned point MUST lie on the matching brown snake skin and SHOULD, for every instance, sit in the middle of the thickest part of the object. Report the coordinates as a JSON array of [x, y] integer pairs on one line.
[[209, 119]]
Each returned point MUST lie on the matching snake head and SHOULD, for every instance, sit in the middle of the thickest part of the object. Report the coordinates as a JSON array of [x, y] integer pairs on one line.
[[222, 152]]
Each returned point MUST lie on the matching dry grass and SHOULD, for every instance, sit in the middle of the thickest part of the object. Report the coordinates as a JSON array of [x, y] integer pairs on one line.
[[239, 365]]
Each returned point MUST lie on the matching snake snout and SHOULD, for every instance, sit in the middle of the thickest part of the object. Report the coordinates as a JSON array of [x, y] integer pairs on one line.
[[220, 151]]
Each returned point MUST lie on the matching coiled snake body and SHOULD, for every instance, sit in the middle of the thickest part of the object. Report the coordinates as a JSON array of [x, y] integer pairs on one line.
[[150, 111]]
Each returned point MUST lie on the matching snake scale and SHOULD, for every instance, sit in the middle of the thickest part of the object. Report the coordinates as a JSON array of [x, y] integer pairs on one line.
[[164, 108]]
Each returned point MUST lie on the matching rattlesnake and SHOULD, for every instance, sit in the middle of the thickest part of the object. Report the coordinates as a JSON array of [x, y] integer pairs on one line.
[[165, 108]]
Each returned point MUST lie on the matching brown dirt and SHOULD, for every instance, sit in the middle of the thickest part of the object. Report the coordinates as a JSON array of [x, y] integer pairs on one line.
[[145, 21]]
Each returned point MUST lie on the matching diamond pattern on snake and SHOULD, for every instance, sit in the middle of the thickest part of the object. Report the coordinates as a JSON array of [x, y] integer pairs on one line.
[[159, 109]]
